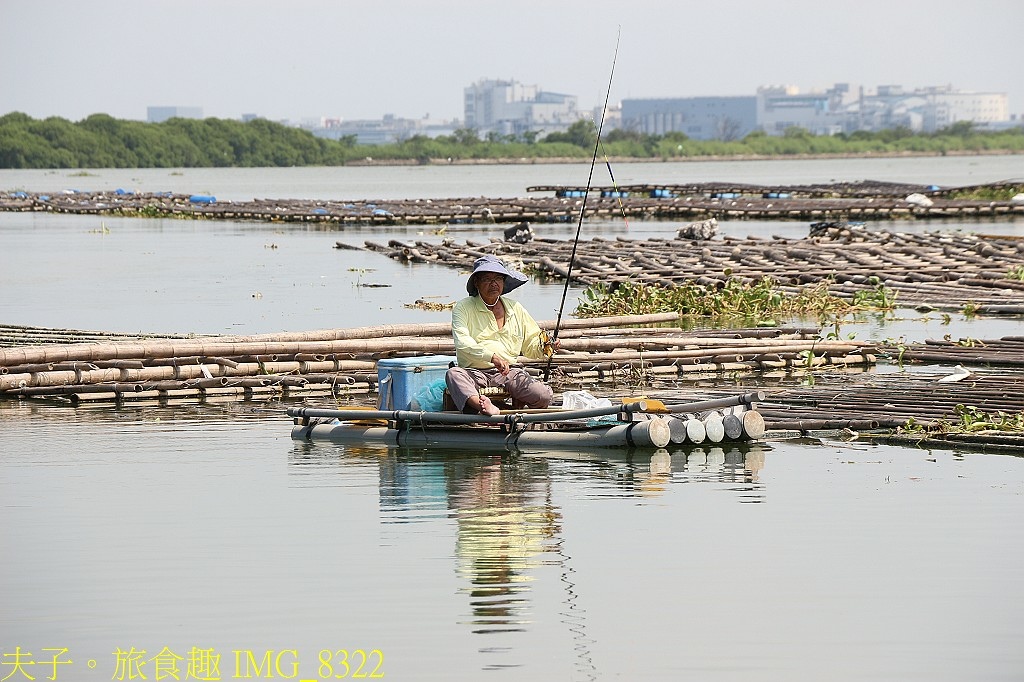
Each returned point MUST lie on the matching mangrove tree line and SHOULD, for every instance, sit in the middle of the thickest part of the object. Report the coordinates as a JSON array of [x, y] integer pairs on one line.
[[101, 141]]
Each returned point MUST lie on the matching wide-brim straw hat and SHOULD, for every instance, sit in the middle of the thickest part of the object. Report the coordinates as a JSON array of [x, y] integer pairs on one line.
[[513, 278]]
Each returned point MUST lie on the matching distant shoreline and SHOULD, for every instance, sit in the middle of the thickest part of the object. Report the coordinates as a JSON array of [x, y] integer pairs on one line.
[[527, 161]]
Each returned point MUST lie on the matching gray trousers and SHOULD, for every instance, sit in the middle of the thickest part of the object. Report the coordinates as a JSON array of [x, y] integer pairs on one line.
[[526, 392]]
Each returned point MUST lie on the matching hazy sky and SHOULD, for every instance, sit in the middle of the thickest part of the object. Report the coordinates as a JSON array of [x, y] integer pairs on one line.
[[352, 59]]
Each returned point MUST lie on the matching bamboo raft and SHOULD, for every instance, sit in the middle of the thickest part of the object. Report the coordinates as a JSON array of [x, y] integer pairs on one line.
[[1007, 351], [850, 190], [605, 355], [22, 335], [847, 201], [894, 401], [943, 271], [342, 362]]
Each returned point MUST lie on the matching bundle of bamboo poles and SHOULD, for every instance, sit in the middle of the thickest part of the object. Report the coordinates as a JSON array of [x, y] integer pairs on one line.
[[1007, 351], [343, 361], [941, 270], [666, 357], [644, 201], [860, 188], [890, 401], [23, 335]]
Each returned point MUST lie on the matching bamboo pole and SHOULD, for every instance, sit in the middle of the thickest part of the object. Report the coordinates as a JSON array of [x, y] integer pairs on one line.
[[359, 340], [689, 350], [129, 350], [266, 371]]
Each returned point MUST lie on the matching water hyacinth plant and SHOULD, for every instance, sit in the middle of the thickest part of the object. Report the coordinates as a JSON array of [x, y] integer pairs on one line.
[[761, 302], [970, 419]]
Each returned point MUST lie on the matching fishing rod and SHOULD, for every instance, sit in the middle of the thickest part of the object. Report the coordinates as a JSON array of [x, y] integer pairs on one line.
[[615, 186], [583, 206]]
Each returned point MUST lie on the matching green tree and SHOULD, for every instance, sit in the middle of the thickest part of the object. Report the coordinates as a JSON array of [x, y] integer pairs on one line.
[[582, 133], [465, 137], [103, 141], [958, 129]]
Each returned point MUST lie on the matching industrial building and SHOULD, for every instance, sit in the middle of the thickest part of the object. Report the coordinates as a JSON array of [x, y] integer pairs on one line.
[[700, 118], [507, 107]]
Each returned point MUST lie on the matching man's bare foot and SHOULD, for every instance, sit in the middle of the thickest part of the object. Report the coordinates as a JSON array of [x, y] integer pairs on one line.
[[487, 407]]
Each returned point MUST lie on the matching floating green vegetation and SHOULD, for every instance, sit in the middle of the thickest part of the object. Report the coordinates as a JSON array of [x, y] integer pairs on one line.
[[966, 342], [761, 302], [975, 419], [151, 211], [971, 419], [970, 309], [1003, 193], [1016, 273], [156, 211], [880, 297], [359, 278]]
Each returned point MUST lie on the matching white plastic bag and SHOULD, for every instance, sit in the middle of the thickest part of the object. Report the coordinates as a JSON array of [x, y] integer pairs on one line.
[[581, 400]]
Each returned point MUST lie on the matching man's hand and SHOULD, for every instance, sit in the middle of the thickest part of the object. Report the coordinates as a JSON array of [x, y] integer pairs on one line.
[[548, 347], [499, 363]]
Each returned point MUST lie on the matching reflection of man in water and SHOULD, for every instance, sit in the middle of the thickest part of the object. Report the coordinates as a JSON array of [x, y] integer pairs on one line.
[[505, 522]]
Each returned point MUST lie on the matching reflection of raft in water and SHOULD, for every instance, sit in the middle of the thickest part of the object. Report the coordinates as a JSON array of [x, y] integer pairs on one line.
[[642, 424]]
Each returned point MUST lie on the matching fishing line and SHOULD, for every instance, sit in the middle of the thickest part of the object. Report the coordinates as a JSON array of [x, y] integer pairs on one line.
[[583, 206]]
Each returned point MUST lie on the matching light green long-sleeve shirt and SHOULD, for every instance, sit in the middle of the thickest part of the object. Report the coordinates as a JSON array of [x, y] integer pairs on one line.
[[477, 336]]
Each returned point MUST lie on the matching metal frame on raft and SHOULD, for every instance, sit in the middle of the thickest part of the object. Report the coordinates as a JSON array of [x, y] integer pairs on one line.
[[640, 424]]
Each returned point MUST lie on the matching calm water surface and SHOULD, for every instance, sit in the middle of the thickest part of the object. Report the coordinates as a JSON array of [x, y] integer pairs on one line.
[[156, 527], [136, 275], [428, 182], [206, 526]]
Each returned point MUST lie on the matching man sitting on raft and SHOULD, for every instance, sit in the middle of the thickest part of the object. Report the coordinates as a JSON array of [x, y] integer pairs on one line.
[[491, 332]]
